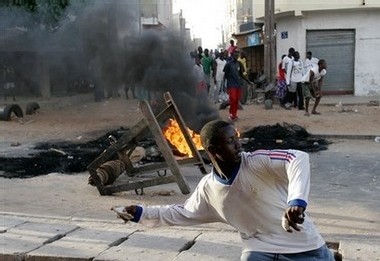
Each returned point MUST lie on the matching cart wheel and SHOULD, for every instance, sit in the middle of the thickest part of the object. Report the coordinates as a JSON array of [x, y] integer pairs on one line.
[[161, 175], [139, 193]]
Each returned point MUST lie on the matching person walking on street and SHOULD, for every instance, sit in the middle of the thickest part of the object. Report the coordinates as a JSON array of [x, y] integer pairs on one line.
[[233, 73], [263, 194], [218, 75], [207, 63], [312, 86]]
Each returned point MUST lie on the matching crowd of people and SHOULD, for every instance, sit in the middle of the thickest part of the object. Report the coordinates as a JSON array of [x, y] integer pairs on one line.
[[222, 75], [299, 81], [227, 68]]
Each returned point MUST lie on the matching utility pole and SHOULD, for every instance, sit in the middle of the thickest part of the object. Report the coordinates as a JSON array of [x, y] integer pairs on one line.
[[269, 42]]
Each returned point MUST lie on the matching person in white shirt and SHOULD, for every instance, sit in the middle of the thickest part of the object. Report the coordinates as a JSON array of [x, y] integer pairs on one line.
[[310, 61], [294, 76], [220, 92], [312, 85], [198, 75], [262, 194], [287, 58]]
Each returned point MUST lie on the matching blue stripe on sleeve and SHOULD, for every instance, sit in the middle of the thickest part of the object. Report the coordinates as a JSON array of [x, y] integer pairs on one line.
[[137, 216]]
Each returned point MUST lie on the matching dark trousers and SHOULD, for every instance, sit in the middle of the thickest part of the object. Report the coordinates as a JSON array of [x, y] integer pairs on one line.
[[299, 98]]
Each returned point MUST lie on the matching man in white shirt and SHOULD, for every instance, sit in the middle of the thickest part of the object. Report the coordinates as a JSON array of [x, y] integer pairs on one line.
[[310, 61], [294, 78], [262, 194], [220, 92], [287, 58], [313, 81]]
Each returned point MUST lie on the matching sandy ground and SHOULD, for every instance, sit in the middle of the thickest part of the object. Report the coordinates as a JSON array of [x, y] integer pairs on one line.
[[352, 214], [88, 120]]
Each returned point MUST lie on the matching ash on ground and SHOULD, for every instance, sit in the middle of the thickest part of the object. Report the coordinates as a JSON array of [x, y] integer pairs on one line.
[[72, 157], [285, 136]]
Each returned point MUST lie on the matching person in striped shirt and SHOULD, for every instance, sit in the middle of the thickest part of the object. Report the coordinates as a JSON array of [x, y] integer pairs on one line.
[[263, 194]]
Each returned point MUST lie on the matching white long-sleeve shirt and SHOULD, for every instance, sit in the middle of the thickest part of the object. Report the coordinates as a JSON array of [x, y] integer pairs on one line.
[[294, 72], [253, 201]]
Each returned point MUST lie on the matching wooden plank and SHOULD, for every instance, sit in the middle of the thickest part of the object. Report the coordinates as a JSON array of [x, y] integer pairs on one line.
[[164, 146], [196, 155], [139, 184]]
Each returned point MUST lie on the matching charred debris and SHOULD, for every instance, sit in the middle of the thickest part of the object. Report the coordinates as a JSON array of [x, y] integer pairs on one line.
[[72, 157]]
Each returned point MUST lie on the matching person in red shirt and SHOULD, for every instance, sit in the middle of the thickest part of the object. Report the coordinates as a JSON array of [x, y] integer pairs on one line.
[[281, 84], [232, 48]]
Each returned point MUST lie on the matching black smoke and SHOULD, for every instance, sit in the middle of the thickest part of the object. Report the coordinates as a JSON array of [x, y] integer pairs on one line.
[[101, 45]]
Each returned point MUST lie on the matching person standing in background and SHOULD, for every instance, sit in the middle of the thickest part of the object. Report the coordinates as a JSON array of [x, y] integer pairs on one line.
[[233, 73], [288, 58], [310, 62], [312, 86], [218, 75], [207, 64], [294, 77], [243, 60], [200, 52], [232, 48], [198, 74], [281, 84]]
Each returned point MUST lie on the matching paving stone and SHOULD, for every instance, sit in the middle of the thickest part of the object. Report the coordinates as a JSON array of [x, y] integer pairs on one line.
[[152, 245], [29, 236], [9, 222], [214, 246], [81, 244], [52, 231]]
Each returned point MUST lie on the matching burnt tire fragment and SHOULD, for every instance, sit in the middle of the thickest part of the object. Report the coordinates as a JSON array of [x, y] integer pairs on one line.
[[31, 108], [6, 112]]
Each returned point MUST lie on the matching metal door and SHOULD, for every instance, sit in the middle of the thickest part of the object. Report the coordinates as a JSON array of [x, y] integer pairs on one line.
[[337, 47]]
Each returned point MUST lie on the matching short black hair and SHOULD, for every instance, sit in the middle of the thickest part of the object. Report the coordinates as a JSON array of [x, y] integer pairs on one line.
[[321, 61], [210, 132], [291, 50], [309, 52]]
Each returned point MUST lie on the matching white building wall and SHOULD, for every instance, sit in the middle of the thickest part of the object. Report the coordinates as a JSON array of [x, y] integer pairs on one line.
[[367, 42], [165, 11], [298, 6]]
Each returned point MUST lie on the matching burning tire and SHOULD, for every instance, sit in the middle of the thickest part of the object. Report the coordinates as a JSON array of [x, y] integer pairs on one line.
[[31, 108], [6, 112]]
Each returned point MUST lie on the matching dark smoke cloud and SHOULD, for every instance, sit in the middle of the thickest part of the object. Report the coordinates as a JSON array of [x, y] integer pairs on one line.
[[103, 43]]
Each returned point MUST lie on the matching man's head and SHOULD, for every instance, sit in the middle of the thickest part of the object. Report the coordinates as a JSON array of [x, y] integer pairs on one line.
[[225, 53], [309, 55], [296, 56], [322, 64], [291, 52], [206, 52], [232, 42], [220, 140]]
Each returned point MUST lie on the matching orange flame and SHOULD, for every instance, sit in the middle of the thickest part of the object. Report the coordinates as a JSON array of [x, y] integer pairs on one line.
[[173, 134]]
